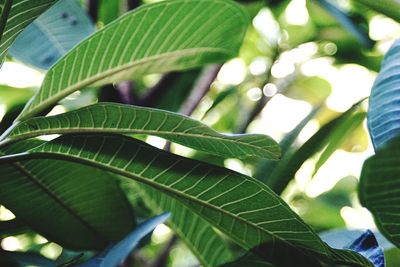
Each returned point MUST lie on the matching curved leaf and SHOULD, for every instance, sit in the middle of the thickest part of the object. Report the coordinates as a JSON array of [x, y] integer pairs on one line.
[[52, 35], [352, 27], [21, 14], [218, 195], [379, 189], [117, 118], [119, 252], [159, 37], [66, 202], [384, 106]]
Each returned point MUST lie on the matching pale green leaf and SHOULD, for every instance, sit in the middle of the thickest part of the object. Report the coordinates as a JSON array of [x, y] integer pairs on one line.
[[117, 118], [159, 37]]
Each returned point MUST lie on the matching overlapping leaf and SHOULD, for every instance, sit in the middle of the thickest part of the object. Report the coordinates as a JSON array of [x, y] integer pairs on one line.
[[384, 105], [116, 118], [15, 17], [379, 189], [220, 196], [165, 36], [119, 252], [52, 35], [49, 195], [194, 231]]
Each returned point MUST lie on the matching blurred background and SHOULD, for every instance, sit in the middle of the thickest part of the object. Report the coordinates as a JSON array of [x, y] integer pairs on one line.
[[303, 76]]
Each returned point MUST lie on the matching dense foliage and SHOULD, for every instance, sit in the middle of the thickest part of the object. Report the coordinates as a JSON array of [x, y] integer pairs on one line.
[[211, 132]]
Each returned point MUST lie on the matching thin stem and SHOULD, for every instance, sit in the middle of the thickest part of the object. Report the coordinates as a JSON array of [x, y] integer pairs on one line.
[[162, 259], [152, 95], [93, 6], [132, 4], [200, 89]]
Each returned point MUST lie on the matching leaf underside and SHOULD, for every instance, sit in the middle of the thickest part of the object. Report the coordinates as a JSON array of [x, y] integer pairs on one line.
[[127, 119], [160, 37]]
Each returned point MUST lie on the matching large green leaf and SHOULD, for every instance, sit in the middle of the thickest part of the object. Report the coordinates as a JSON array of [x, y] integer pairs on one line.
[[383, 112], [117, 118], [239, 206], [379, 189], [66, 202], [15, 16], [194, 231], [159, 37]]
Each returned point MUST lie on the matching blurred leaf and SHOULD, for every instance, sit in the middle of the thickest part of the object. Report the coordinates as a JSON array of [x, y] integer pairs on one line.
[[165, 42], [336, 138], [264, 167], [21, 259], [383, 112], [314, 90], [64, 201], [15, 16], [10, 96], [378, 191], [390, 8], [175, 90], [334, 131], [109, 10], [117, 118], [118, 253], [12, 227], [52, 35], [359, 33]]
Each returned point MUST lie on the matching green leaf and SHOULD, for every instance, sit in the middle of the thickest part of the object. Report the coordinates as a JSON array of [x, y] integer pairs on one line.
[[159, 37], [119, 252], [117, 118], [379, 189], [66, 202], [265, 168], [327, 140], [346, 21], [16, 16], [383, 112], [196, 233], [220, 196], [390, 8]]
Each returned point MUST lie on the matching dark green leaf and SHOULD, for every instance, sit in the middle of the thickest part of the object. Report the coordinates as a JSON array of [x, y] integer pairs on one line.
[[66, 202]]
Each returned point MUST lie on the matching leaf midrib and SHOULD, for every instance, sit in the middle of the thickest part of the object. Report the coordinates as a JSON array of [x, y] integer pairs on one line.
[[180, 194], [98, 77], [22, 169], [109, 130]]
